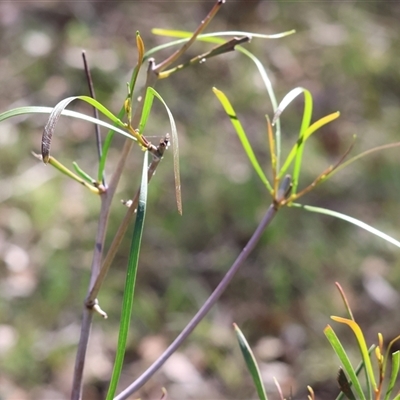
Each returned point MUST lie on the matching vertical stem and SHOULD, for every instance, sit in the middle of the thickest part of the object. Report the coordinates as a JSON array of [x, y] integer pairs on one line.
[[95, 111], [106, 200], [86, 326], [88, 308]]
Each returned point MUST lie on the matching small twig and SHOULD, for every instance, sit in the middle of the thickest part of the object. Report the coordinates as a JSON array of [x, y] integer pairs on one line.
[[271, 212], [203, 25], [95, 111], [221, 49], [320, 178]]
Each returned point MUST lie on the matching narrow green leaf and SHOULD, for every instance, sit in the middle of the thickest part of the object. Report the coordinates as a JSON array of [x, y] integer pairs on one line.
[[305, 123], [363, 348], [147, 104], [214, 37], [175, 147], [63, 169], [251, 363], [344, 359], [352, 220], [272, 97], [82, 173], [68, 113], [394, 374], [186, 34], [55, 116], [130, 282], [309, 131], [387, 353], [242, 136]]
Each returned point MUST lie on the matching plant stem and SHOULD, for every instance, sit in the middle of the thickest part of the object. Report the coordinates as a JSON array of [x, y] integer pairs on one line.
[[271, 212], [88, 309], [95, 111], [106, 200]]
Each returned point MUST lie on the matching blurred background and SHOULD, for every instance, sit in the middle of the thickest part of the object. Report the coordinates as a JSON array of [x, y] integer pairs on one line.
[[346, 53]]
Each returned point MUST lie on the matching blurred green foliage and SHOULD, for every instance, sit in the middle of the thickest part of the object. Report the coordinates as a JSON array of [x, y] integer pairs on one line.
[[347, 54]]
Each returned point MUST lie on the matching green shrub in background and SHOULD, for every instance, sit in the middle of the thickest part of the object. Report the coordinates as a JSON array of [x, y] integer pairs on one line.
[[131, 122]]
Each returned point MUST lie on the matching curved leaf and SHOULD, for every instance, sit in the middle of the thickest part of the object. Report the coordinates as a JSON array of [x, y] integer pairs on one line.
[[305, 123], [175, 145], [344, 359], [352, 220], [67, 113], [56, 114], [362, 344], [242, 136], [251, 363], [309, 131]]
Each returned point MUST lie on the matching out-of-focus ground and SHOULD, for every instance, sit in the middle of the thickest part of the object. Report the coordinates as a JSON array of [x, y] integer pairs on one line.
[[346, 53]]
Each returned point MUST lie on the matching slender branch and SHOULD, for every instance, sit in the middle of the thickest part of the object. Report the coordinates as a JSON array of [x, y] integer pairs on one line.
[[86, 326], [203, 25], [220, 49], [95, 111], [271, 212], [88, 310]]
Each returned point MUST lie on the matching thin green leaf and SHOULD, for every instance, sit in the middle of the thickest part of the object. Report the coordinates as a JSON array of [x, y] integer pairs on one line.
[[344, 359], [394, 374], [63, 169], [186, 34], [175, 148], [305, 123], [242, 136], [309, 131], [388, 350], [147, 104], [352, 220], [363, 349], [56, 113], [130, 282], [82, 173], [251, 363], [272, 97], [67, 113]]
